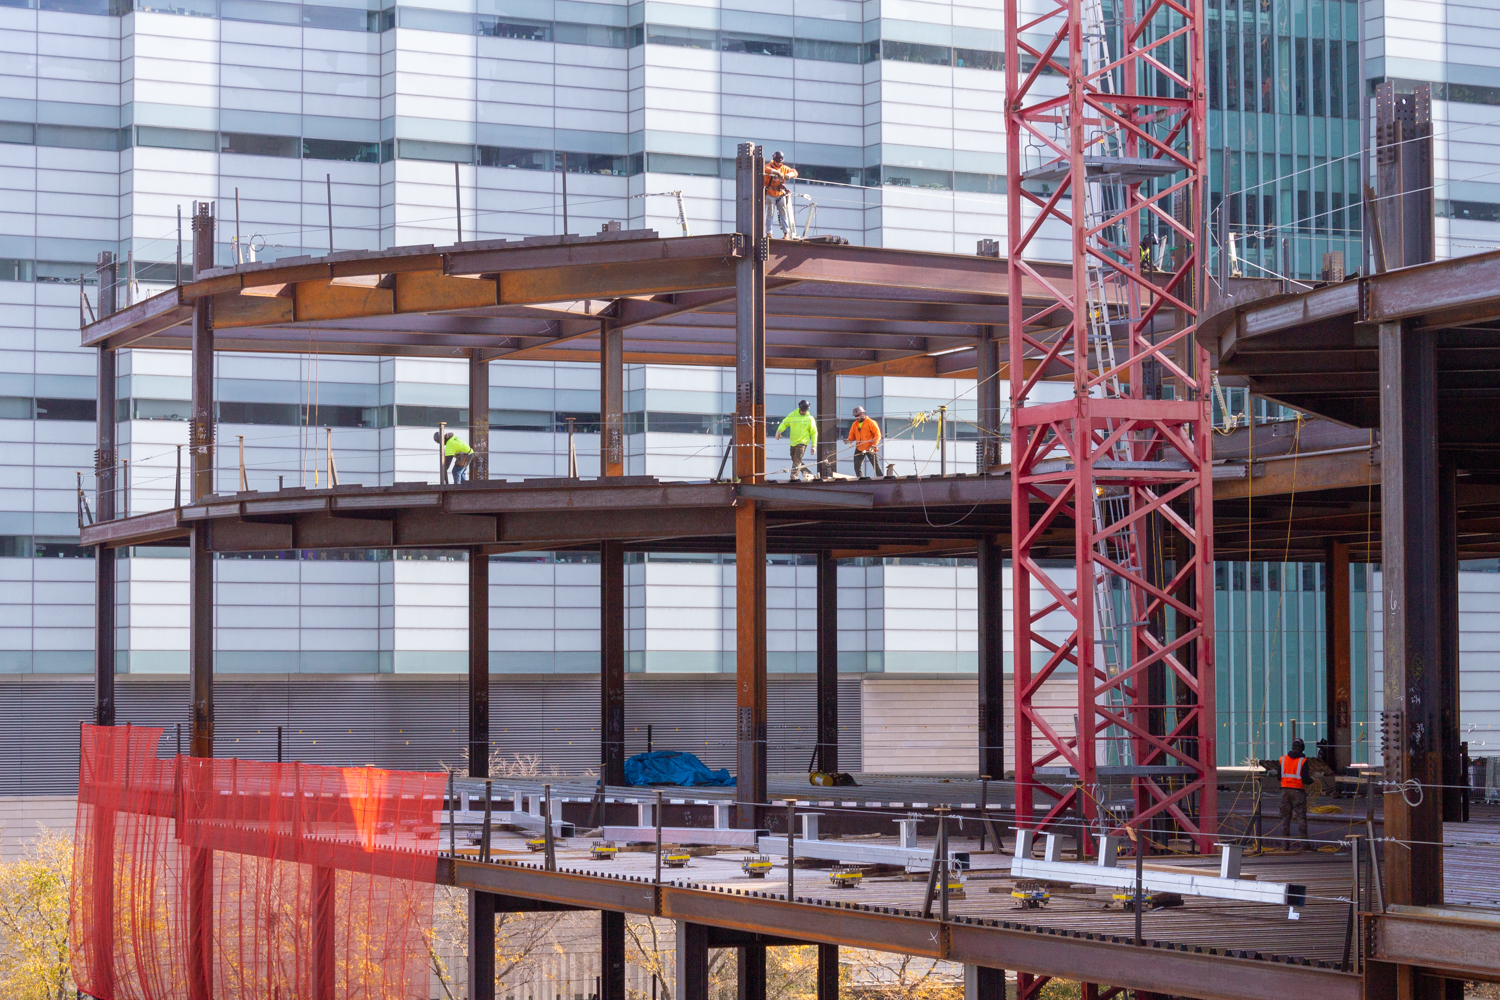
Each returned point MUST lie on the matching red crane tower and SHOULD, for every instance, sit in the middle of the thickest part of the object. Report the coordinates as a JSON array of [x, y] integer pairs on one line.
[[1105, 122]]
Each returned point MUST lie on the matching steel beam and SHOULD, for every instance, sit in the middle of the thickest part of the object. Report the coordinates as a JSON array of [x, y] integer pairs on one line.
[[204, 424], [828, 973], [482, 908], [750, 467], [692, 961], [201, 641], [612, 662], [611, 955], [991, 659], [827, 408], [479, 663], [987, 371], [1410, 539], [479, 416], [1448, 644], [104, 510], [611, 399], [1338, 645], [752, 972], [828, 662]]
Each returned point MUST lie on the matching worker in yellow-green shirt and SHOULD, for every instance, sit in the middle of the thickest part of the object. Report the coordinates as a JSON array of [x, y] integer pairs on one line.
[[456, 456], [802, 430]]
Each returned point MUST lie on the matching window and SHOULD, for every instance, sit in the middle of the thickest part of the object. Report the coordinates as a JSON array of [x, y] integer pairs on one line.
[[78, 137], [261, 11], [175, 138], [1300, 76], [65, 409], [603, 35], [435, 20], [1319, 76], [508, 27], [981, 183], [979, 59], [673, 163], [341, 149], [340, 18], [686, 38], [604, 164], [515, 159], [817, 48], [931, 55], [830, 175], [443, 152], [16, 270], [431, 416], [260, 145], [917, 177], [757, 45]]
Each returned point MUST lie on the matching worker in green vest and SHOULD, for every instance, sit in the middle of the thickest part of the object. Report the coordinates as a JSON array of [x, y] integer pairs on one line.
[[456, 455], [802, 430]]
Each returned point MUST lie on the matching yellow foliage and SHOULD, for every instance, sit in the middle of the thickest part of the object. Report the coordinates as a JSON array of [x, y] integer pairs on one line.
[[34, 921]]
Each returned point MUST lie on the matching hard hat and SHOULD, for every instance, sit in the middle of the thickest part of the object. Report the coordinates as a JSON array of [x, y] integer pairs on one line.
[[776, 155], [859, 411], [1297, 744], [440, 436], [1149, 240], [802, 404]]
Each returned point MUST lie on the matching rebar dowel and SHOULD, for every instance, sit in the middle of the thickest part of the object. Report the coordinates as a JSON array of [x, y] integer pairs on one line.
[[244, 483], [942, 860], [125, 484], [177, 483], [328, 180], [791, 839], [656, 818], [484, 837]]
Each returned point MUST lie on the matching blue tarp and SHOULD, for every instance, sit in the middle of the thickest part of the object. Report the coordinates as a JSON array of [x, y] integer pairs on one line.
[[668, 767]]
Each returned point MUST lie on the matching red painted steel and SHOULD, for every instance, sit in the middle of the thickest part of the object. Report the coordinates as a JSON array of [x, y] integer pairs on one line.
[[316, 882], [1105, 121]]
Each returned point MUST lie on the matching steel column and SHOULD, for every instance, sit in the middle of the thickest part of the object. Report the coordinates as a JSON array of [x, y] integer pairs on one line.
[[988, 983], [828, 662], [611, 955], [750, 467], [479, 663], [828, 972], [479, 415], [1337, 644], [692, 961], [104, 510], [612, 662], [201, 641], [752, 972], [1410, 540], [1448, 647], [482, 945], [611, 399], [828, 419], [1115, 454], [991, 659], [203, 426], [987, 371], [325, 956]]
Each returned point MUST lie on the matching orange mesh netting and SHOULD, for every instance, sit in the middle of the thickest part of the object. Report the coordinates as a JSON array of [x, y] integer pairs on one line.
[[226, 879]]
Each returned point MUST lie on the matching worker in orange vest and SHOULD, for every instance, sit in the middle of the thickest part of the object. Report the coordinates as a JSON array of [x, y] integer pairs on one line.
[[778, 198], [1297, 773], [865, 435]]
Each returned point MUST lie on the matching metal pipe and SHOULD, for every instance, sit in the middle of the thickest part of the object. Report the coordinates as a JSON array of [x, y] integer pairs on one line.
[[328, 181], [942, 440], [484, 841], [244, 485], [656, 818], [237, 226], [177, 278], [177, 482], [125, 484], [791, 854], [458, 204], [548, 841]]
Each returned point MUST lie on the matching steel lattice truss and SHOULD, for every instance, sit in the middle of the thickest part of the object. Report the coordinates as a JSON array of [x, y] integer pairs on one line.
[[1115, 158]]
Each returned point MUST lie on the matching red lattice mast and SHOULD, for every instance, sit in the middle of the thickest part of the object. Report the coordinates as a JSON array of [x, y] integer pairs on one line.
[[1105, 122]]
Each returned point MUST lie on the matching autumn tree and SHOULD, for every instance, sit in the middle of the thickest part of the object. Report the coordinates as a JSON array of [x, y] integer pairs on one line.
[[34, 893]]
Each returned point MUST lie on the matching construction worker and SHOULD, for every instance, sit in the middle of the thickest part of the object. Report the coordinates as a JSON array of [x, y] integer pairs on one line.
[[864, 433], [1148, 252], [1298, 773], [778, 197], [802, 430], [456, 456]]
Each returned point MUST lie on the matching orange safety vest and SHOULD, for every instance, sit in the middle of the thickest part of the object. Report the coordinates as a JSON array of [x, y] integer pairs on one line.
[[1291, 771]]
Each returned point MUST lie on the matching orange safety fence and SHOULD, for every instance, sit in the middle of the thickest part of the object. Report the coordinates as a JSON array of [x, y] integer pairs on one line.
[[241, 880]]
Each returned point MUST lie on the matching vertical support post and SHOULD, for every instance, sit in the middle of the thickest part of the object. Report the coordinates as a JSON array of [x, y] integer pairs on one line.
[[828, 662], [611, 955], [1448, 651], [481, 946], [612, 662], [1338, 645], [991, 657], [988, 983], [828, 420], [201, 642], [750, 467], [323, 933], [479, 415], [479, 663], [752, 978], [201, 430], [1410, 536], [692, 961], [828, 972], [987, 371], [104, 510], [611, 400]]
